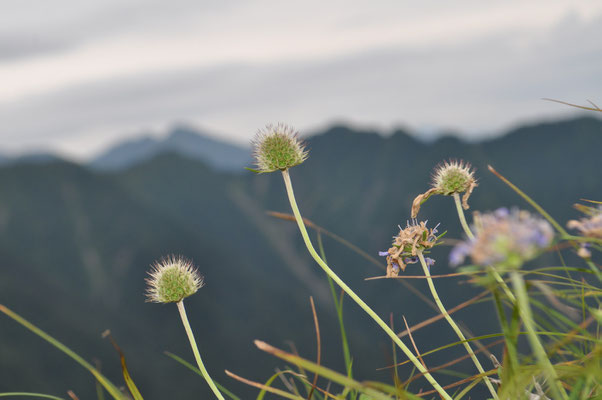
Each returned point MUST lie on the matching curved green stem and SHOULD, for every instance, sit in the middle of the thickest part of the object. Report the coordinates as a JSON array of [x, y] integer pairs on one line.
[[43, 396], [503, 284], [454, 326], [339, 308], [195, 350], [540, 353], [351, 293], [460, 210]]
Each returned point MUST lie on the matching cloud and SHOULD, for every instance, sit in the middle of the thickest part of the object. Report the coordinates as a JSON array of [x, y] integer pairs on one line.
[[475, 85], [33, 28]]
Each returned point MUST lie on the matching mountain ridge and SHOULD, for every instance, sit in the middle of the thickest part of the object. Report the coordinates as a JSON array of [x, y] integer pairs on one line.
[[183, 140]]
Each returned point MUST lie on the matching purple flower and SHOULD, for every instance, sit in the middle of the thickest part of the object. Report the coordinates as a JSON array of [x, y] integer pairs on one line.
[[504, 235], [410, 260], [459, 253], [383, 253]]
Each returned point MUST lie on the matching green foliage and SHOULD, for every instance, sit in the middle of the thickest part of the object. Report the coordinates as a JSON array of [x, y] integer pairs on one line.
[[72, 241]]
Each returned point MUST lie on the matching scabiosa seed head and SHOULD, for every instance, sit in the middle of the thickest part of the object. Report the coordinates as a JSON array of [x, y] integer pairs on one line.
[[504, 238], [449, 177], [277, 147], [406, 244], [453, 177], [172, 279]]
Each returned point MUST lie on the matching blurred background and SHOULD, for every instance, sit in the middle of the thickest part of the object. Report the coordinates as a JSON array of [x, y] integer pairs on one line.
[[125, 127]]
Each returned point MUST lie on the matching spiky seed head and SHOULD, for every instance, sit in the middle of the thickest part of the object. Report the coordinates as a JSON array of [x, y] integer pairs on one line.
[[172, 279], [448, 178], [452, 177], [277, 147]]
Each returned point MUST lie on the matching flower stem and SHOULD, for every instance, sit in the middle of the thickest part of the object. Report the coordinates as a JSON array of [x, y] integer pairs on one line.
[[470, 236], [195, 350], [351, 293], [502, 283], [339, 307], [460, 210], [454, 326], [540, 353]]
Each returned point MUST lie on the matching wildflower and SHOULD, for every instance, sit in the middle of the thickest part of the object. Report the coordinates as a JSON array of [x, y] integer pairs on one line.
[[172, 279], [504, 237], [448, 178], [590, 226], [277, 148], [413, 238]]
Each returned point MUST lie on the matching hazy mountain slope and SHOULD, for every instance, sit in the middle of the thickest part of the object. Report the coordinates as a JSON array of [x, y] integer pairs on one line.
[[181, 140], [76, 244]]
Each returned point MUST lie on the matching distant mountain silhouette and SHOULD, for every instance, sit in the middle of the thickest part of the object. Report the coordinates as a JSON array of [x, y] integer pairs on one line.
[[181, 140], [29, 158], [75, 243]]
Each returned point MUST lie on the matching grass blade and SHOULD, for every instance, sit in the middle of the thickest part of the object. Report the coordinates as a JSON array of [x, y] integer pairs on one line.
[[324, 372], [124, 368], [112, 389], [198, 372], [40, 395]]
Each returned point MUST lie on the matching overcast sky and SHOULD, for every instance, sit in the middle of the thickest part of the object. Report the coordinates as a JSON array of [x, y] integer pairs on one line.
[[76, 76]]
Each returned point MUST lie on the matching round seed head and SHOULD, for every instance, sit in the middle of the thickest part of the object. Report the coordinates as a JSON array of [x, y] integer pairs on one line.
[[172, 279], [448, 178], [453, 177], [277, 147]]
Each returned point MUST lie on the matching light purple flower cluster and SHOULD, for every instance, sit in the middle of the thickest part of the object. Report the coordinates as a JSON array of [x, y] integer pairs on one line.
[[504, 236]]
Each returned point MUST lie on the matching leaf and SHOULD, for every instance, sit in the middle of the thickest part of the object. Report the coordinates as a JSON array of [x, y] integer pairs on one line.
[[124, 368], [253, 170]]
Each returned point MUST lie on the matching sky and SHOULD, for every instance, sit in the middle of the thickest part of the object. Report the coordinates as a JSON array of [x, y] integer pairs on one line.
[[78, 76]]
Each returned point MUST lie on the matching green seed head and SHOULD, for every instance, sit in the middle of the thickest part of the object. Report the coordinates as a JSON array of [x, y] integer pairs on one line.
[[172, 279], [277, 148], [449, 177], [453, 177]]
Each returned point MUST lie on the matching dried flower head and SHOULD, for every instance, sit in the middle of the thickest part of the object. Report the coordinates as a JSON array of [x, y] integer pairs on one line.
[[172, 279], [448, 178], [413, 238], [504, 237], [277, 148], [591, 226]]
